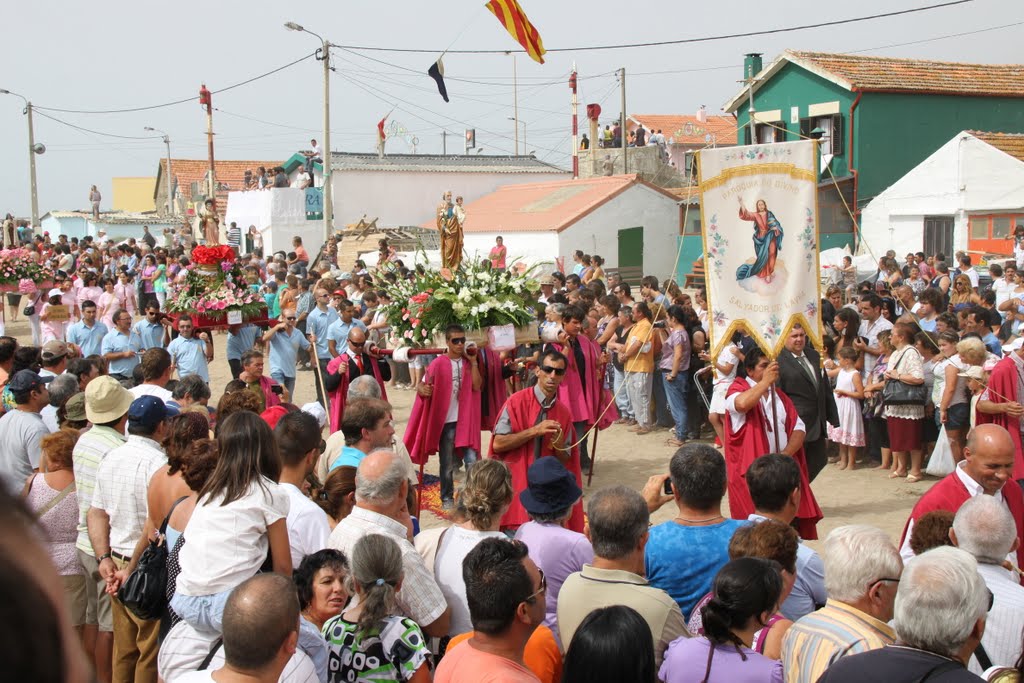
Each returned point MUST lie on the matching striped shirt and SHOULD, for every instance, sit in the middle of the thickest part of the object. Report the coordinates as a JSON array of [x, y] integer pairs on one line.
[[91, 448], [1005, 620], [815, 642]]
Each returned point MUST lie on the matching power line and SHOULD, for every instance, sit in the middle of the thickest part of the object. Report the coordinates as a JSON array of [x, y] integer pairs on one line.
[[682, 41], [96, 132], [175, 102]]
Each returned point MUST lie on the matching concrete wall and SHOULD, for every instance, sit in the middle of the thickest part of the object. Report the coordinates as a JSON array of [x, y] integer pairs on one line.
[[597, 232], [411, 198], [75, 226], [133, 194], [643, 161], [529, 247]]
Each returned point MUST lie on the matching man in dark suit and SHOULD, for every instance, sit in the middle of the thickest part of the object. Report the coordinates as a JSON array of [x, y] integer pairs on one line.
[[803, 380]]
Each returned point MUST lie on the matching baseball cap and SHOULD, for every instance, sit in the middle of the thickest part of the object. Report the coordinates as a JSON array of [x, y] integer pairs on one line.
[[273, 414], [106, 400], [149, 411], [345, 276], [74, 409], [54, 349], [25, 381], [317, 411], [55, 292], [975, 372]]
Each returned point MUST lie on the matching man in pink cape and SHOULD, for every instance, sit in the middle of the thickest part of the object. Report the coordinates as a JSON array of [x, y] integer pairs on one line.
[[1001, 403], [493, 393], [446, 413], [534, 424], [582, 390], [753, 427], [341, 370]]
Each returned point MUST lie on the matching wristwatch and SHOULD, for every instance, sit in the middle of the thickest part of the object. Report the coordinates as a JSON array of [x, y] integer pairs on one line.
[[104, 556]]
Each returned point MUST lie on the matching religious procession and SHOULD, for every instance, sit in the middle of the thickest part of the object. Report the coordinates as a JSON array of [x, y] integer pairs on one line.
[[731, 397]]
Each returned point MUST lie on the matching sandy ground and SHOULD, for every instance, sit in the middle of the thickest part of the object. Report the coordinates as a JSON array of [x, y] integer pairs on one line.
[[864, 496]]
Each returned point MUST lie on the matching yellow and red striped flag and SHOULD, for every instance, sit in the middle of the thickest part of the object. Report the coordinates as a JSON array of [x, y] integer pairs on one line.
[[512, 17]]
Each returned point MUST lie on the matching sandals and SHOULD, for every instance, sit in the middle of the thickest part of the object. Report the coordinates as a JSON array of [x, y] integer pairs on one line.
[[913, 479], [643, 430], [674, 442]]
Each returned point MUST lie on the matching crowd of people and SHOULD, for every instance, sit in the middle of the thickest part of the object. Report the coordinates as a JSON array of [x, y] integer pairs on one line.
[[292, 538]]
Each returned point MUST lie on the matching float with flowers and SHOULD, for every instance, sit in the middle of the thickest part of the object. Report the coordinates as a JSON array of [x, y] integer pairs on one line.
[[214, 291], [472, 295], [21, 273]]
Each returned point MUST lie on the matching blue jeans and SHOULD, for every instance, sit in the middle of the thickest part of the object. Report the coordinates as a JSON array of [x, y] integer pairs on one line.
[[675, 392], [203, 612], [621, 397], [286, 382], [446, 451]]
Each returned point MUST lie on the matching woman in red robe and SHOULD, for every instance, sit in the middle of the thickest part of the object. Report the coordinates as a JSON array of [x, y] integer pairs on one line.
[[761, 419]]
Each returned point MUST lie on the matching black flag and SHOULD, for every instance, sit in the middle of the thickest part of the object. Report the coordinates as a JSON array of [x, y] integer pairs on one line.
[[436, 71]]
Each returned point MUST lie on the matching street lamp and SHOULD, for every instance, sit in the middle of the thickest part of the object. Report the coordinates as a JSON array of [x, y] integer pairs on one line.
[[324, 56], [519, 121], [170, 190], [33, 150]]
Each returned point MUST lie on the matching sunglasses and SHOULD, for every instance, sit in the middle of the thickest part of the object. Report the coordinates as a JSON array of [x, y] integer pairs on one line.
[[291, 317], [539, 591], [547, 370], [457, 340]]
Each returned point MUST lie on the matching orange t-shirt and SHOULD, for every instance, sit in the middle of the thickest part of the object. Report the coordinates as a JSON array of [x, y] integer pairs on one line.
[[541, 657]]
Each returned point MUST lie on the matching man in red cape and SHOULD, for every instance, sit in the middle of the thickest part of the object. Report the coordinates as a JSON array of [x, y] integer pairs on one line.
[[534, 423], [446, 413], [344, 368], [582, 389], [493, 393], [987, 468], [752, 425], [1000, 403]]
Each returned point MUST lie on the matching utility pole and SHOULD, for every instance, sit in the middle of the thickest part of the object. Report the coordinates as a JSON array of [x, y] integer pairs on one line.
[[575, 127], [206, 99], [444, 143], [515, 100], [32, 152], [170, 187], [622, 120]]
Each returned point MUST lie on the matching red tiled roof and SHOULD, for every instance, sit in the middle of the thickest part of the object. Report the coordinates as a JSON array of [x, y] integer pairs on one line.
[[689, 194], [892, 74], [687, 130], [228, 172], [550, 206], [1010, 143]]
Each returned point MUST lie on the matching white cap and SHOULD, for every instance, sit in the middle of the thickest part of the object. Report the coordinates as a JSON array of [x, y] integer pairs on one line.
[[54, 292], [317, 411]]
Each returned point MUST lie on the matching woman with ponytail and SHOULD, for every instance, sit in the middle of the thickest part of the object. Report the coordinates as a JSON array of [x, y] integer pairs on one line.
[[747, 592], [369, 641]]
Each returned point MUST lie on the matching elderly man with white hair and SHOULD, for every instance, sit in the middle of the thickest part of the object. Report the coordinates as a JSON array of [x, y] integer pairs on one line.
[[862, 572], [382, 486], [985, 528], [940, 614]]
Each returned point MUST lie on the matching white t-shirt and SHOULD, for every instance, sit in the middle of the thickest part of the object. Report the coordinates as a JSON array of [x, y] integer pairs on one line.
[[227, 544], [1003, 290], [869, 330], [151, 390], [739, 419], [972, 275], [455, 545], [308, 529], [453, 403]]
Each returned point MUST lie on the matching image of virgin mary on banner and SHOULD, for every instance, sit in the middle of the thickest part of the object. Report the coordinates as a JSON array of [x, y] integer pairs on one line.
[[759, 214]]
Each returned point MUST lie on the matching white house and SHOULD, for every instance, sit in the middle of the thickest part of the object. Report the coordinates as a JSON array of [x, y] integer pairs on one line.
[[405, 189], [968, 195], [280, 215], [633, 225]]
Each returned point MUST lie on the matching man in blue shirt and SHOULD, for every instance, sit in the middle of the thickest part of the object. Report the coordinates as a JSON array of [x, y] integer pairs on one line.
[[285, 341], [367, 426], [684, 554], [88, 333], [121, 347], [318, 322], [191, 354], [978, 320], [337, 334], [241, 338], [154, 329]]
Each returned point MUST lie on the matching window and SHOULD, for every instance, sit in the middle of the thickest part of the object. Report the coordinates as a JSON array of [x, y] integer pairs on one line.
[[979, 227], [768, 133], [832, 139], [1001, 227], [692, 226]]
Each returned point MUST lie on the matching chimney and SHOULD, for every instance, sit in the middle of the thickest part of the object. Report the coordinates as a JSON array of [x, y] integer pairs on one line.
[[702, 114], [751, 65]]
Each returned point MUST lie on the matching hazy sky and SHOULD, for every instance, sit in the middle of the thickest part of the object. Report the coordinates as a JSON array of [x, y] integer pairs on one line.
[[116, 54]]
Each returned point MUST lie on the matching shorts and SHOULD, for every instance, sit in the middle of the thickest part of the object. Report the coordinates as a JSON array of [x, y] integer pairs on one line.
[[74, 595], [718, 398], [97, 600], [421, 362], [958, 417]]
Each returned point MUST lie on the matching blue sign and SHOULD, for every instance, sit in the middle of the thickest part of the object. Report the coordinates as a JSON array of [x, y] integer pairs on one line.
[[314, 204]]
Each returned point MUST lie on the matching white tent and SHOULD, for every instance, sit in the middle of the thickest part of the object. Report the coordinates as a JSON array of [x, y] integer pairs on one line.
[[965, 175], [279, 214]]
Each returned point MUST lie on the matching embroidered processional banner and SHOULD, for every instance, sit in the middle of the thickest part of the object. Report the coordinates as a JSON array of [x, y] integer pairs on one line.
[[760, 229]]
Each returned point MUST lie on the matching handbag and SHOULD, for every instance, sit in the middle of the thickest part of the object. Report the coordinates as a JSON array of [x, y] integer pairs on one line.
[[29, 310], [144, 592], [897, 393]]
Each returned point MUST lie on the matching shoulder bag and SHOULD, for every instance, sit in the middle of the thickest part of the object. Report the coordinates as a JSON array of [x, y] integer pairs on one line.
[[897, 393], [144, 592]]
